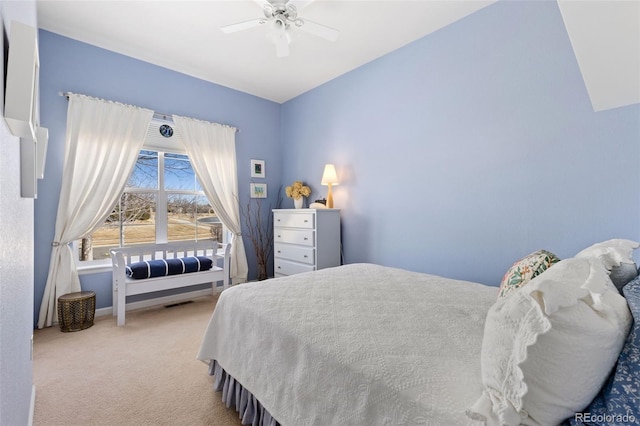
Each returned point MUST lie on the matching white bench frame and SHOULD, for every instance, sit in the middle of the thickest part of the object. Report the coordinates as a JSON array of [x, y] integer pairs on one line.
[[123, 286]]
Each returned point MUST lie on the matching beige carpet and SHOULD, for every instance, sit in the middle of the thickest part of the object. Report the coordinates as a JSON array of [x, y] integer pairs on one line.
[[144, 373]]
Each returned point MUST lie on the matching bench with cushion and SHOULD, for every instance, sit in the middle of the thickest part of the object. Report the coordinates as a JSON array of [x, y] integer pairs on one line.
[[153, 267]]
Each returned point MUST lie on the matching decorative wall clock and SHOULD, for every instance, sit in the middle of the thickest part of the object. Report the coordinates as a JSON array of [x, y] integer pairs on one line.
[[166, 130]]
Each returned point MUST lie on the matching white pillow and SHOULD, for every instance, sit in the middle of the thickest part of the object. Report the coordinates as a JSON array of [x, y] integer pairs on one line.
[[611, 252], [549, 347]]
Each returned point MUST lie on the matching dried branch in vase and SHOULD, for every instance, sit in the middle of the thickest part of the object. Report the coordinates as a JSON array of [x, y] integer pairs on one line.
[[259, 229]]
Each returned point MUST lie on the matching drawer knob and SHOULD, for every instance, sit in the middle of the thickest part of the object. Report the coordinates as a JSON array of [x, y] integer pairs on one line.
[[279, 267], [305, 256], [279, 236], [279, 251], [305, 238], [305, 221]]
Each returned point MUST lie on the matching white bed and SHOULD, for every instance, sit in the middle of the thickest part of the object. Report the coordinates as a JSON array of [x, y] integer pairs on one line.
[[370, 345], [359, 344]]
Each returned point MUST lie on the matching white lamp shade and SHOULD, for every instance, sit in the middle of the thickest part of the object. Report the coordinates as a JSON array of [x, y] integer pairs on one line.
[[329, 176]]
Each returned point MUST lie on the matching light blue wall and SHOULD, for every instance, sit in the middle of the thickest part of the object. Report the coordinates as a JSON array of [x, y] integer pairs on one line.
[[457, 154], [469, 148], [16, 257], [71, 66]]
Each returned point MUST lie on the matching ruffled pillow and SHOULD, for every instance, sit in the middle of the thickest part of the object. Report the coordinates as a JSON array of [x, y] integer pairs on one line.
[[549, 347], [623, 274], [526, 269], [619, 400], [617, 257]]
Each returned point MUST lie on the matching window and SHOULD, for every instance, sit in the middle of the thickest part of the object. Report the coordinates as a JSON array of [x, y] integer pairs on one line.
[[163, 201]]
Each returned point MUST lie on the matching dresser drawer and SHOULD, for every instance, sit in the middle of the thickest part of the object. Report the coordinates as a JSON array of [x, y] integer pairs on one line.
[[297, 253], [294, 236], [286, 267], [293, 220]]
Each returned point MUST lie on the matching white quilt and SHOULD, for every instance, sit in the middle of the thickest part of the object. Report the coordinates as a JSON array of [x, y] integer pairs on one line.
[[359, 344]]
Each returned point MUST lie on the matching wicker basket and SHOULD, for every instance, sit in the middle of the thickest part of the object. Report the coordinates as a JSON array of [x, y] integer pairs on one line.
[[76, 310]]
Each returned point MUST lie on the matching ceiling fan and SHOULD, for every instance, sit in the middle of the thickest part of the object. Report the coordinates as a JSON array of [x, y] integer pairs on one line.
[[282, 17]]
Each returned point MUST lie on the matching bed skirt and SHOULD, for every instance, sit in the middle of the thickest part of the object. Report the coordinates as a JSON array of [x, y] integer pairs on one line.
[[234, 395]]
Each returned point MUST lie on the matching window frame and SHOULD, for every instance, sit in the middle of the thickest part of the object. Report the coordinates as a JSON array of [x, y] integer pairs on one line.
[[162, 217]]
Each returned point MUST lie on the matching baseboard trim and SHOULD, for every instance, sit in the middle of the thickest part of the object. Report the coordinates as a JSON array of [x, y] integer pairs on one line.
[[32, 405], [108, 311]]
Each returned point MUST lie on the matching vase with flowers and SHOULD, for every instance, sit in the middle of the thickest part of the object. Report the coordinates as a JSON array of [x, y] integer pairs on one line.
[[298, 191]]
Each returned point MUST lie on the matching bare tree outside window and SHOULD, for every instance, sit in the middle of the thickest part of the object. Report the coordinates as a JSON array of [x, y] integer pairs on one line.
[[182, 209]]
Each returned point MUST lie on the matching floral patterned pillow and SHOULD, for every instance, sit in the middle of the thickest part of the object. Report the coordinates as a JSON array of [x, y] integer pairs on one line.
[[526, 269]]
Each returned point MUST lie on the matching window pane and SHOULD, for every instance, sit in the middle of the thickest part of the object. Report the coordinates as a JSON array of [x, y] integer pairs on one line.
[[136, 225], [98, 245], [138, 218], [191, 218], [145, 173], [209, 226], [178, 173], [134, 219]]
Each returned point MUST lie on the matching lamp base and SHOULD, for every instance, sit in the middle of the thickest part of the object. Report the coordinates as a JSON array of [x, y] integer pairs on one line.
[[329, 198]]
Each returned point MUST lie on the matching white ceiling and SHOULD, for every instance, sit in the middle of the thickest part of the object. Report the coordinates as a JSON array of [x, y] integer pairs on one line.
[[184, 36], [605, 36]]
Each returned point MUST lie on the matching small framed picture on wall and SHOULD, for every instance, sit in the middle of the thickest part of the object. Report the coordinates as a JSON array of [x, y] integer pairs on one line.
[[258, 190], [257, 168]]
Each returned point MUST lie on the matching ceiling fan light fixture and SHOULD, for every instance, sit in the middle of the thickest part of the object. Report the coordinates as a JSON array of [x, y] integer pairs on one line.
[[292, 12], [280, 36], [282, 44], [279, 26], [283, 19], [268, 10]]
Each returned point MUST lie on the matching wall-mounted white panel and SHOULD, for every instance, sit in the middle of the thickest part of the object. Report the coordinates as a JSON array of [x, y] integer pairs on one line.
[[28, 181], [23, 68], [41, 150]]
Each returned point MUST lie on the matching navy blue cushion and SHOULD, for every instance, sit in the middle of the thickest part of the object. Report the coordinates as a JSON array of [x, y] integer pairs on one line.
[[195, 264], [618, 403], [164, 267]]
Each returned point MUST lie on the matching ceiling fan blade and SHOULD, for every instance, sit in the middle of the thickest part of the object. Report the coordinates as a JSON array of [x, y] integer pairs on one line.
[[282, 46], [228, 29], [319, 30]]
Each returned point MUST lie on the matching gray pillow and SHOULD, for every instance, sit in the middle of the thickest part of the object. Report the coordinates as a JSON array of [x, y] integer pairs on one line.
[[622, 274]]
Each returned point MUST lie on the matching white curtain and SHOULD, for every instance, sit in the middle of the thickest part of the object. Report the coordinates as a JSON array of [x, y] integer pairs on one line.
[[101, 148], [212, 151]]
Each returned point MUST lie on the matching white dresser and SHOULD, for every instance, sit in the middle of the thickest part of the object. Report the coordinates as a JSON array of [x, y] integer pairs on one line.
[[305, 240]]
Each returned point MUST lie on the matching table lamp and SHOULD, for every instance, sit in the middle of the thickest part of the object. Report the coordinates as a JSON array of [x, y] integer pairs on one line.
[[329, 177]]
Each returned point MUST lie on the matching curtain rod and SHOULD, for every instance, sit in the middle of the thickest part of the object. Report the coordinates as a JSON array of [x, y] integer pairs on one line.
[[160, 115]]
